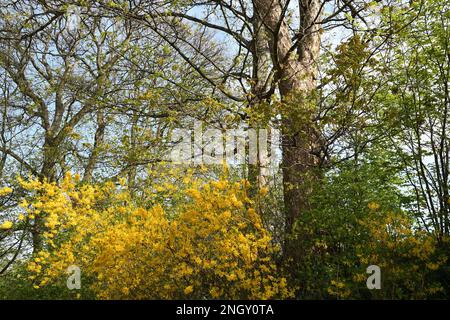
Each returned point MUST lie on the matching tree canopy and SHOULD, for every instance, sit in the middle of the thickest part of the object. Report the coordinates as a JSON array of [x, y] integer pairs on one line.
[[224, 148]]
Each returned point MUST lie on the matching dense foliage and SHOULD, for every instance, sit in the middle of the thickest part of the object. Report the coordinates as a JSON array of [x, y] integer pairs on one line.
[[96, 96]]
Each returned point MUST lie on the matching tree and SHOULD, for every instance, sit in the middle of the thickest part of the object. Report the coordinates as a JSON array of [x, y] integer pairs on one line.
[[417, 110], [68, 89], [256, 28]]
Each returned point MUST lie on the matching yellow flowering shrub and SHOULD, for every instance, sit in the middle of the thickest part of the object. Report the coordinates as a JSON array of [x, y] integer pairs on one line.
[[338, 244], [211, 246], [407, 257]]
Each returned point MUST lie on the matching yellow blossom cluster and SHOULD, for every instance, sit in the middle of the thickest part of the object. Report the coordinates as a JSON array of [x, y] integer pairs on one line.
[[5, 225], [409, 258], [400, 251], [4, 191], [212, 245]]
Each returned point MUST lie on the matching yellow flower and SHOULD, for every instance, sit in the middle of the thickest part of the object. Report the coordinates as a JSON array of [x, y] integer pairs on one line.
[[210, 232], [263, 191], [6, 225], [186, 180], [4, 191], [373, 206], [188, 289], [194, 193], [433, 266], [123, 181], [231, 277], [214, 292]]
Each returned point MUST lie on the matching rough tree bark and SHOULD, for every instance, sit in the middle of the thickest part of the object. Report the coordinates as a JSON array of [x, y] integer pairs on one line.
[[296, 67]]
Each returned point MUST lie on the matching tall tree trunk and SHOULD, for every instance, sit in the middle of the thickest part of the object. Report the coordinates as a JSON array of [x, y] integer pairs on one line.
[[297, 71]]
